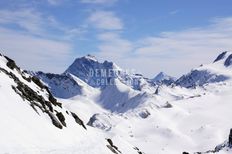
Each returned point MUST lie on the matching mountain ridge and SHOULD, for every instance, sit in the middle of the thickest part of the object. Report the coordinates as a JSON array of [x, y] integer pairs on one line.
[[176, 118]]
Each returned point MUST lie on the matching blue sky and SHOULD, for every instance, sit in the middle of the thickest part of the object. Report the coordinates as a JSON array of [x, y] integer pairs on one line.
[[146, 35]]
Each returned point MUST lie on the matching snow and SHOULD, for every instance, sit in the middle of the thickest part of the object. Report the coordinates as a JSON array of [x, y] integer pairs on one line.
[[172, 119], [25, 131], [209, 73]]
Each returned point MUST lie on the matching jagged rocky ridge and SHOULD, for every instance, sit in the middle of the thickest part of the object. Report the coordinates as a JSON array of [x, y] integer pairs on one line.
[[210, 73], [30, 91], [61, 85], [48, 105], [149, 103], [94, 73], [68, 84]]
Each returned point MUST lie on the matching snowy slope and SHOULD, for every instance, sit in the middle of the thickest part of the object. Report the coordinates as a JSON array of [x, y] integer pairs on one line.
[[219, 70], [32, 121], [175, 119], [120, 117], [193, 120]]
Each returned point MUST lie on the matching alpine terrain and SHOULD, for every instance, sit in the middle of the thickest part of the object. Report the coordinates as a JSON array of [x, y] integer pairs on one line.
[[96, 107]]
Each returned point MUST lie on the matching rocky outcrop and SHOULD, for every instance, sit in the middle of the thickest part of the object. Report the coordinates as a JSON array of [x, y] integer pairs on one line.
[[61, 85], [228, 61], [199, 78], [220, 56], [46, 104], [112, 147], [78, 120], [100, 121]]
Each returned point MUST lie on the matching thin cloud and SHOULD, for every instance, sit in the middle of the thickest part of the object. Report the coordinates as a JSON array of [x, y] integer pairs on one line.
[[105, 20], [26, 19], [113, 45], [173, 52], [35, 53], [174, 12], [35, 23], [54, 2], [98, 1]]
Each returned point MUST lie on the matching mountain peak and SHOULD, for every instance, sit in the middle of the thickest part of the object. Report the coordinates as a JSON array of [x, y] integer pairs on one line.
[[90, 57], [221, 56], [161, 76], [225, 57]]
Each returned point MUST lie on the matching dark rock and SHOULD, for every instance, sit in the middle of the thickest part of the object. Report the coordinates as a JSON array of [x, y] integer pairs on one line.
[[137, 149], [112, 147], [228, 61], [49, 105], [37, 82], [157, 91], [25, 78], [110, 142], [11, 63], [230, 138], [199, 78], [78, 120], [26, 93], [61, 117], [55, 120], [144, 114], [167, 105], [221, 56]]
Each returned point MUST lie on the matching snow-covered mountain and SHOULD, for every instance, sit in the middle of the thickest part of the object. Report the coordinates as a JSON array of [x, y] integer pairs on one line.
[[132, 114], [61, 85], [219, 70], [163, 78], [33, 121], [102, 74], [112, 87]]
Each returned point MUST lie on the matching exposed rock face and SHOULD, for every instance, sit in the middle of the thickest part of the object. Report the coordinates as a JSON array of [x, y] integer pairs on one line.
[[101, 74], [11, 63], [34, 98], [112, 147], [91, 71], [78, 120], [230, 138], [61, 85], [33, 91], [144, 114], [199, 78], [210, 73], [220, 56], [137, 149], [163, 78], [101, 121], [223, 55], [228, 61]]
